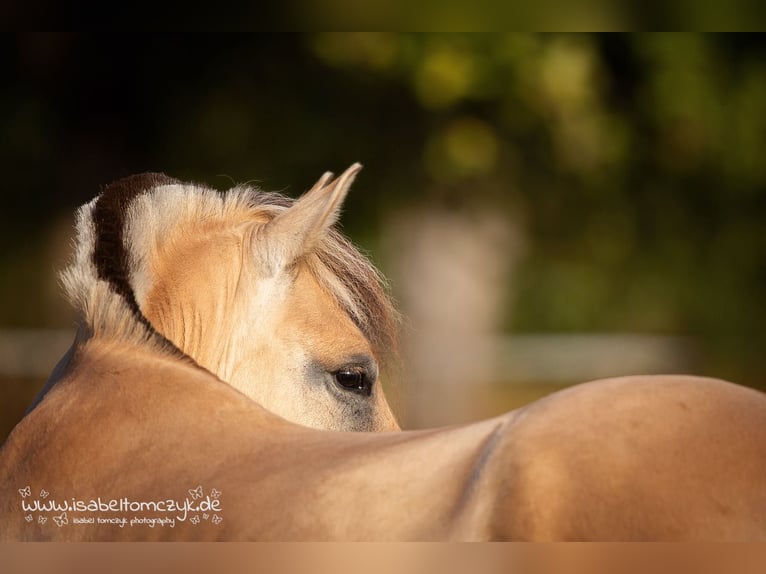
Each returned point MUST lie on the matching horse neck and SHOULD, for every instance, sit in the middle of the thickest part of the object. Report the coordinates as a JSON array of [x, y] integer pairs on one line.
[[100, 368]]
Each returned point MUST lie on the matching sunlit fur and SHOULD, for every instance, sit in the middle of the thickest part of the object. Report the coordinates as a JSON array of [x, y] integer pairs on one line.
[[256, 310], [127, 416]]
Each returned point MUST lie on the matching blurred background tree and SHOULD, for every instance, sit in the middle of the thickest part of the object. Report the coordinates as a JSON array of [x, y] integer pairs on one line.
[[632, 165]]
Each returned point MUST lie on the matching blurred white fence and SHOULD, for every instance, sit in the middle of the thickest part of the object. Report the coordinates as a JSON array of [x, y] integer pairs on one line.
[[568, 358], [530, 358], [454, 273]]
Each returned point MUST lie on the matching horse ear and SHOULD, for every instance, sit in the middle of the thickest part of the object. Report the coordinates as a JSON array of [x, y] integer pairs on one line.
[[295, 232]]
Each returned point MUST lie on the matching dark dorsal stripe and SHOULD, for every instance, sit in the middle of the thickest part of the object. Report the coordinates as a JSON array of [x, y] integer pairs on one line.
[[110, 256]]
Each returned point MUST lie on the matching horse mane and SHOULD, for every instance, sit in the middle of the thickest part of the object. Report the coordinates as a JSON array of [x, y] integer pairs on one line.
[[118, 230]]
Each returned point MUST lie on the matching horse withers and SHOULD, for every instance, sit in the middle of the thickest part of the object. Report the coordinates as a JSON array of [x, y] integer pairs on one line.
[[226, 339]]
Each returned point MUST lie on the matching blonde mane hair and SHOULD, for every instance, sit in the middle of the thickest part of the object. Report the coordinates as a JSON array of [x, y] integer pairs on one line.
[[118, 232]]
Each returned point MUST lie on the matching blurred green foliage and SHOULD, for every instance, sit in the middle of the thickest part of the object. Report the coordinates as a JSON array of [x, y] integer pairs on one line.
[[633, 163]]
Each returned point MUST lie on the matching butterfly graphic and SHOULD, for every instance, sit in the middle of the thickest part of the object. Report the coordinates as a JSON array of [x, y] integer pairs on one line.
[[217, 519], [44, 493], [196, 492], [215, 493], [205, 515], [24, 492], [28, 518], [61, 520], [194, 520], [42, 519]]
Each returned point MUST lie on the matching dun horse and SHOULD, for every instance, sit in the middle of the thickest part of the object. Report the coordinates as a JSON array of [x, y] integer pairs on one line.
[[216, 330]]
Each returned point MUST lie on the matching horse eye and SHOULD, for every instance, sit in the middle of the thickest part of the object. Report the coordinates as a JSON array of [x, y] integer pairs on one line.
[[353, 379]]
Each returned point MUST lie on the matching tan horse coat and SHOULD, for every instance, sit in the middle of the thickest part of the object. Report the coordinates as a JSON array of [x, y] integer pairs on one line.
[[655, 458], [640, 458]]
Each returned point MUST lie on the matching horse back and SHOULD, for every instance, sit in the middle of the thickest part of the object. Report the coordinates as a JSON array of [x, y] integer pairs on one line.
[[635, 458]]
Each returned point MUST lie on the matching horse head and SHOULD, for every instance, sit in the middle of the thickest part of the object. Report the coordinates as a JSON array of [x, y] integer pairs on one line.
[[259, 289]]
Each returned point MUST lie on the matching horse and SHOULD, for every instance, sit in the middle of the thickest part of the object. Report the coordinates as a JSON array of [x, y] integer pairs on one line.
[[187, 260], [228, 356]]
